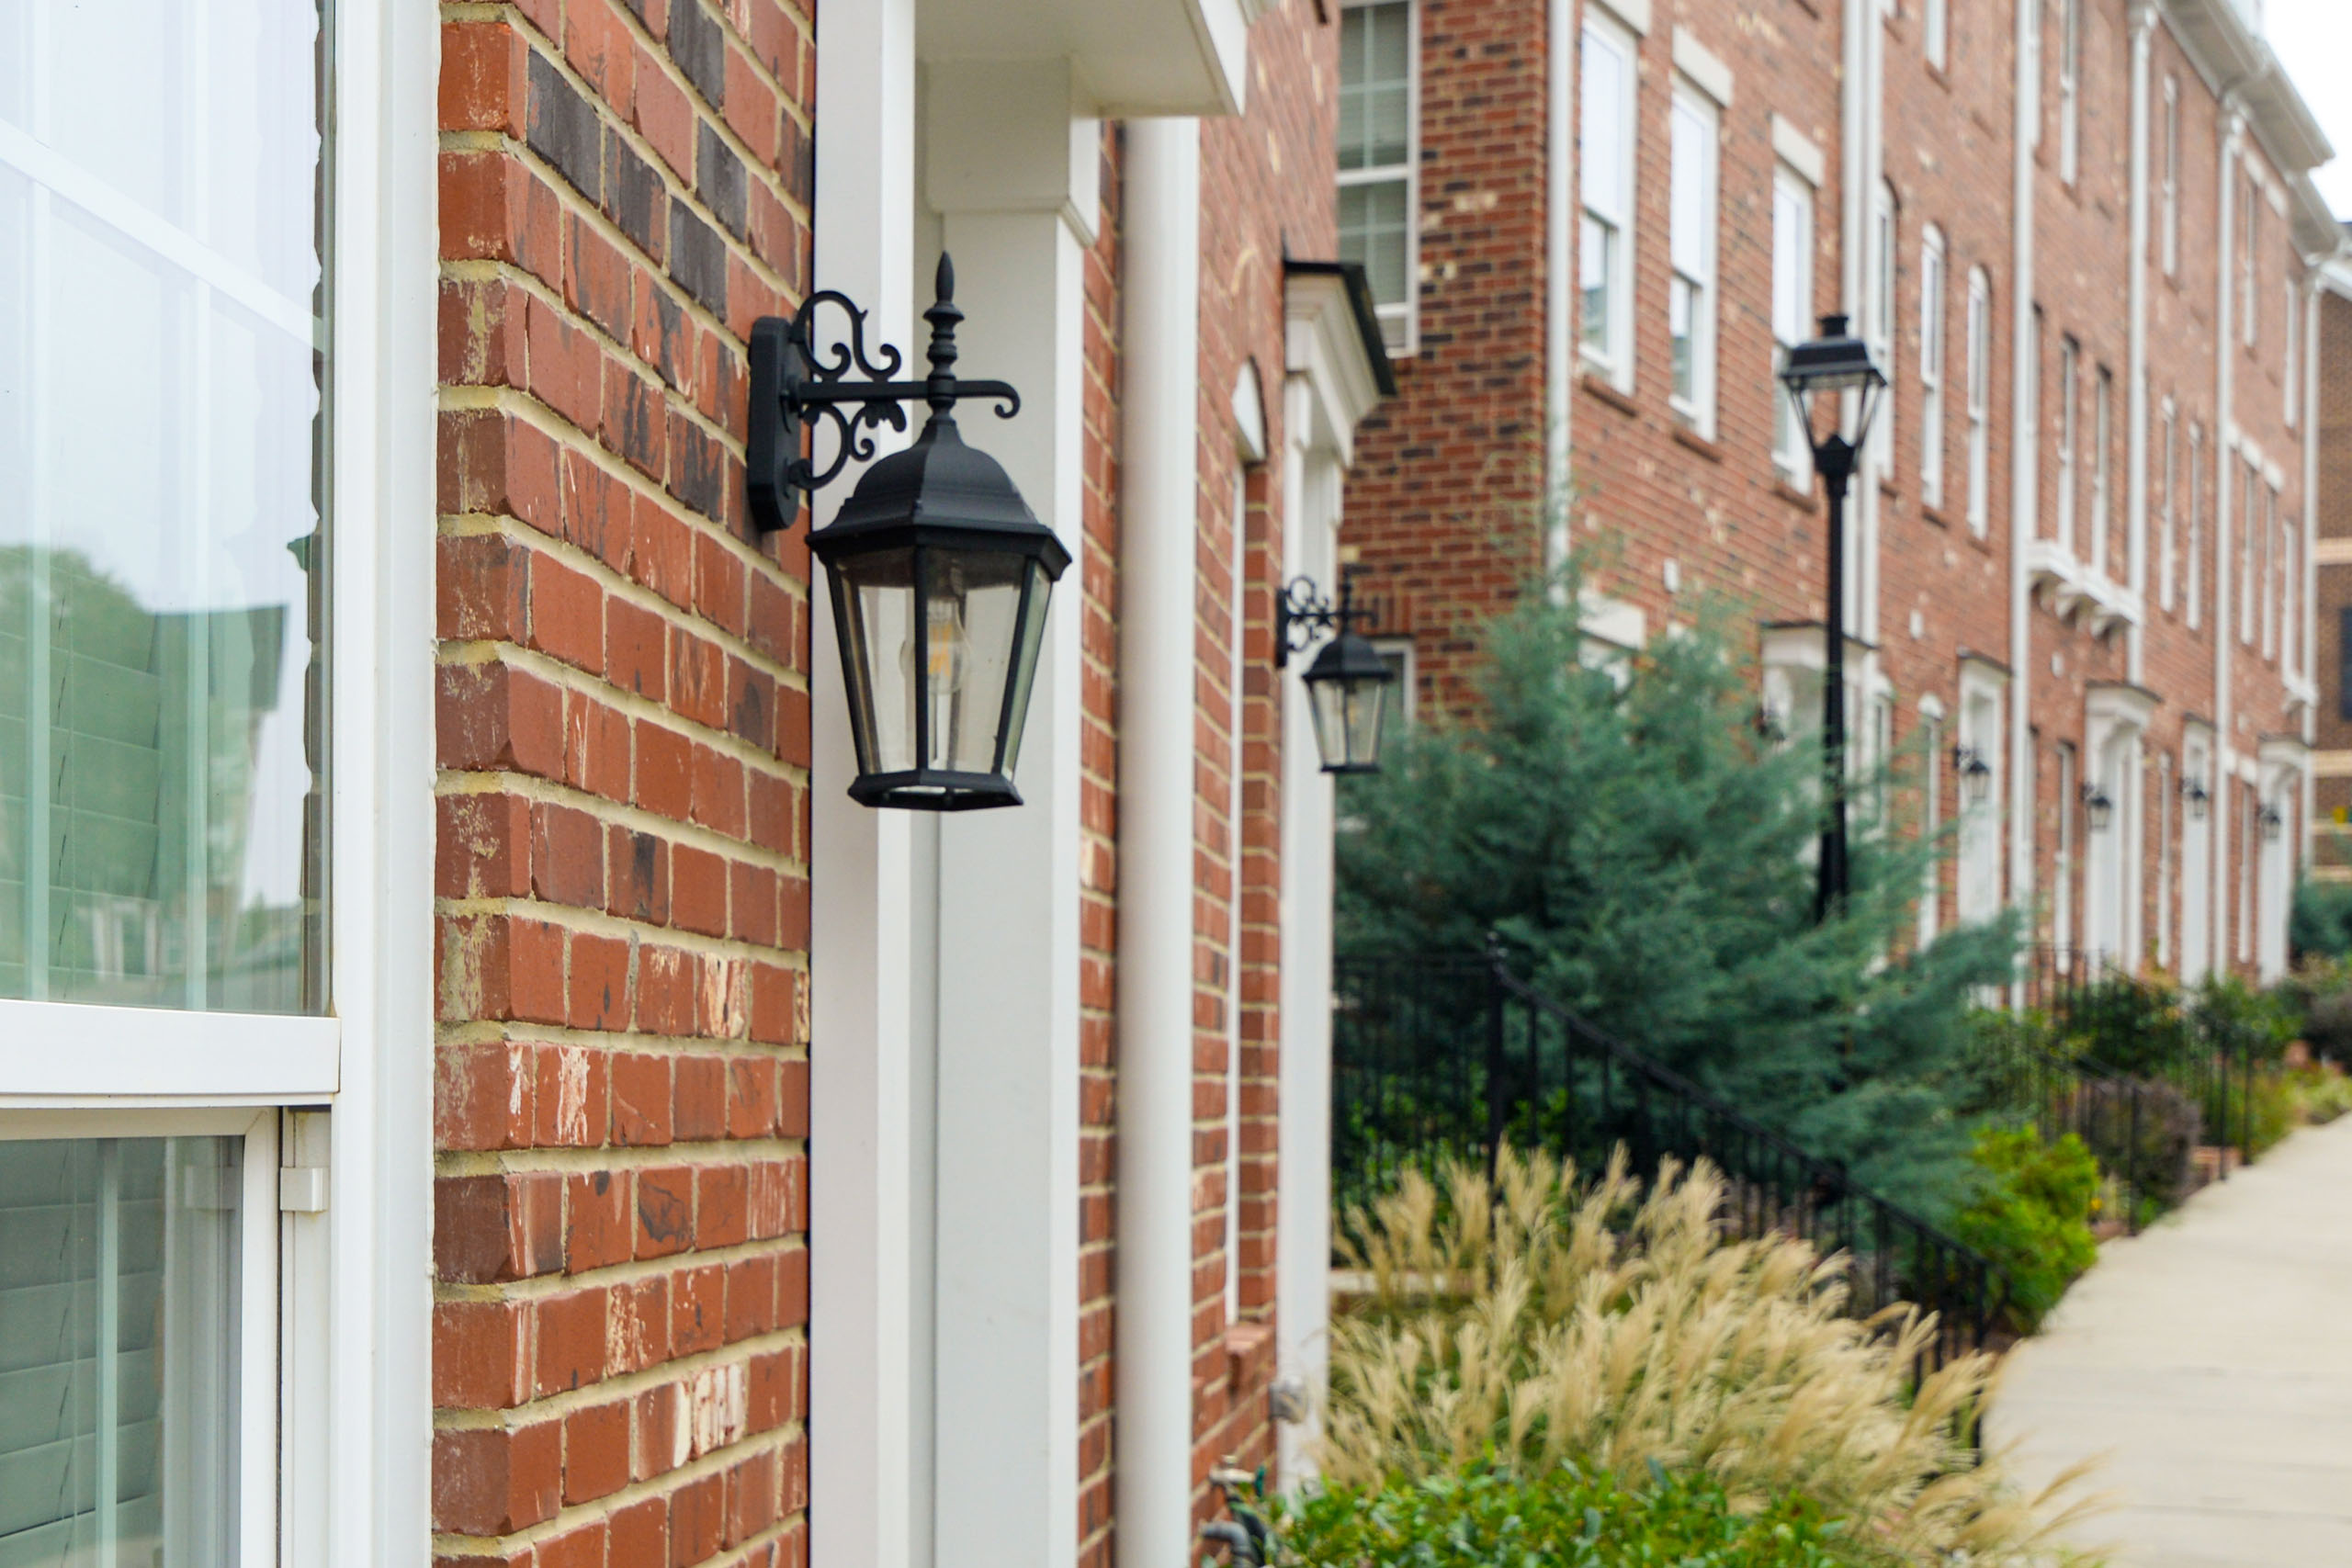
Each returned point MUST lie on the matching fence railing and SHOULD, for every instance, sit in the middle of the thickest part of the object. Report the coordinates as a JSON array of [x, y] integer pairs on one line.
[[1435, 1059], [2117, 1042]]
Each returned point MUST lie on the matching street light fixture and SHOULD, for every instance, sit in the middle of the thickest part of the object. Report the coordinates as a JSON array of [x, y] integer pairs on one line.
[[939, 571], [1975, 772], [1347, 686], [1836, 362]]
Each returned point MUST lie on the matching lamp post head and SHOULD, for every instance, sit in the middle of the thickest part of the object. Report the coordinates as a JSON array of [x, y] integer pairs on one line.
[[1834, 363]]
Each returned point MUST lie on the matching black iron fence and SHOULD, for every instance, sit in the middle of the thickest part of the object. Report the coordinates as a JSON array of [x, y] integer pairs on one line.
[[2143, 1073], [1434, 1059]]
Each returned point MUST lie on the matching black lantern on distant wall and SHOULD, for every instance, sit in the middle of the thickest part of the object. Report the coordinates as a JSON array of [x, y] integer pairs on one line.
[[2274, 824], [1347, 686], [1975, 774], [2193, 791], [939, 571], [2098, 809], [1817, 375]]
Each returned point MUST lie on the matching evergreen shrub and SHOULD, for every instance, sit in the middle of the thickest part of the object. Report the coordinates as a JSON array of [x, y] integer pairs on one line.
[[2033, 1216]]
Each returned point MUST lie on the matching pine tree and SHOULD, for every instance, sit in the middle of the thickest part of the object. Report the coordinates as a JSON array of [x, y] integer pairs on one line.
[[1646, 854]]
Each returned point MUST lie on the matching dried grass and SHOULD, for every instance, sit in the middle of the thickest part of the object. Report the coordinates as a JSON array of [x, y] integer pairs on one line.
[[1546, 1321]]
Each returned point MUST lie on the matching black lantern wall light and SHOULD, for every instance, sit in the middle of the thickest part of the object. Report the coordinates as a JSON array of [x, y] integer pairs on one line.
[[2193, 791], [1975, 772], [1347, 686], [939, 571], [2099, 809]]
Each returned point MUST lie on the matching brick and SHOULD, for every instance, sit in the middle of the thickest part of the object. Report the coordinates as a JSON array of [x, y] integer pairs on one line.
[[719, 179], [636, 651], [483, 1096], [482, 1355], [482, 80], [566, 857], [642, 1112], [699, 1309], [597, 994], [665, 1223], [565, 130], [698, 1098], [722, 1205], [698, 1510], [699, 46], [571, 1097], [596, 277], [697, 261], [638, 880], [596, 1452], [571, 1341], [599, 1229], [488, 1228], [663, 785], [496, 1481], [697, 890]]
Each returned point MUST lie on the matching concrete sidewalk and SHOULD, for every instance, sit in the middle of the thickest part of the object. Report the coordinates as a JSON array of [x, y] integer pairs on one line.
[[2211, 1360]]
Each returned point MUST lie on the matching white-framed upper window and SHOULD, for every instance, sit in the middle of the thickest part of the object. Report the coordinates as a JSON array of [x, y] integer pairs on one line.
[[1379, 174], [1691, 294], [1979, 399], [1605, 241], [1791, 306], [2249, 525], [2168, 164], [1931, 367], [2293, 319], [2102, 405], [2070, 88], [2193, 572], [2249, 295], [1931, 733], [2168, 497], [2272, 558], [2290, 558], [2069, 374], [1935, 30], [1882, 323]]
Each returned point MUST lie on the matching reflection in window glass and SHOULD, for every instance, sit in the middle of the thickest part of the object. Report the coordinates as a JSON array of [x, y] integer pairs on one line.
[[160, 422], [1375, 157], [118, 1352]]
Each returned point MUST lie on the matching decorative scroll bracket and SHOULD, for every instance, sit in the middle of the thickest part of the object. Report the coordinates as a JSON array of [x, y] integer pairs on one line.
[[796, 385]]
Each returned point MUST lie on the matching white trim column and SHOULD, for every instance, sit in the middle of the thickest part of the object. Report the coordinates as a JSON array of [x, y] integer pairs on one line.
[[1014, 173], [1160, 520], [860, 1233]]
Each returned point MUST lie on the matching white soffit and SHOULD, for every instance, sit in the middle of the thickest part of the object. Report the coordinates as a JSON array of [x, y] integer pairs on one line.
[[1137, 58], [2283, 753], [1635, 14], [1324, 342], [2111, 703]]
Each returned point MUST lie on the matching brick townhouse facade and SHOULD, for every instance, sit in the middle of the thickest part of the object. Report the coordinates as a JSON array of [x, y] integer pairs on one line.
[[2080, 237], [567, 1128], [2332, 569]]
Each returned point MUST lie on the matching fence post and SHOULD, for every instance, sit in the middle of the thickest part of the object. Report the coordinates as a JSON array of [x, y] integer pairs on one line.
[[1496, 999]]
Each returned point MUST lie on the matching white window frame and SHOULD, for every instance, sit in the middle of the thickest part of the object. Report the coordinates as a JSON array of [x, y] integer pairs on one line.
[[1932, 892], [2249, 527], [2102, 416], [2294, 317], [2272, 587], [2061, 893], [1698, 111], [2070, 94], [2167, 535], [1401, 323], [1981, 726], [2170, 189], [1935, 32], [1980, 400], [1613, 355], [1932, 288], [2249, 295], [1793, 196], [1888, 255], [2290, 549], [340, 1300], [2193, 576], [2069, 374]]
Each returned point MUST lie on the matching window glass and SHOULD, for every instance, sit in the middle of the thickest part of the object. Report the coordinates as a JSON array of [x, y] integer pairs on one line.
[[2168, 481], [160, 425], [1938, 28], [2066, 378], [1931, 369], [1606, 178], [1375, 158], [118, 1352], [2171, 165], [1792, 299], [1882, 324], [2194, 589], [1980, 394], [1691, 303]]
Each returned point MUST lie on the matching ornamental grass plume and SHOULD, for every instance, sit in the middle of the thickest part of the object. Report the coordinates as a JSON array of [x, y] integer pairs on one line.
[[1532, 1321]]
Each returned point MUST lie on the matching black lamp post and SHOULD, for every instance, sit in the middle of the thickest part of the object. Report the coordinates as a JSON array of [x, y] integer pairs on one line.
[[1837, 362], [1975, 772], [1347, 686], [939, 571]]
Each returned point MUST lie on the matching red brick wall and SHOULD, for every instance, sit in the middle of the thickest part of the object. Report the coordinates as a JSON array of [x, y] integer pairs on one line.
[[619, 1364], [1443, 505], [2333, 793]]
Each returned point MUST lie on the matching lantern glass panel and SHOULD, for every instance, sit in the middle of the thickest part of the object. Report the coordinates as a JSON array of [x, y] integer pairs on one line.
[[972, 625], [1031, 643], [1347, 722], [873, 603]]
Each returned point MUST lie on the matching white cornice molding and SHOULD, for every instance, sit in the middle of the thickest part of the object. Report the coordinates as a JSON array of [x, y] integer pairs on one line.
[[1635, 14], [1323, 344], [1798, 151]]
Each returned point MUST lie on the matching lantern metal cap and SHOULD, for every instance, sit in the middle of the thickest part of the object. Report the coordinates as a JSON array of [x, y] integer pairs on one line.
[[1836, 361], [938, 491]]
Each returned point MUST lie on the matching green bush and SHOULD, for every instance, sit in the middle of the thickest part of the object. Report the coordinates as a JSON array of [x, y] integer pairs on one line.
[[2319, 994], [1489, 1517], [2321, 924], [2031, 1216], [2144, 1130]]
